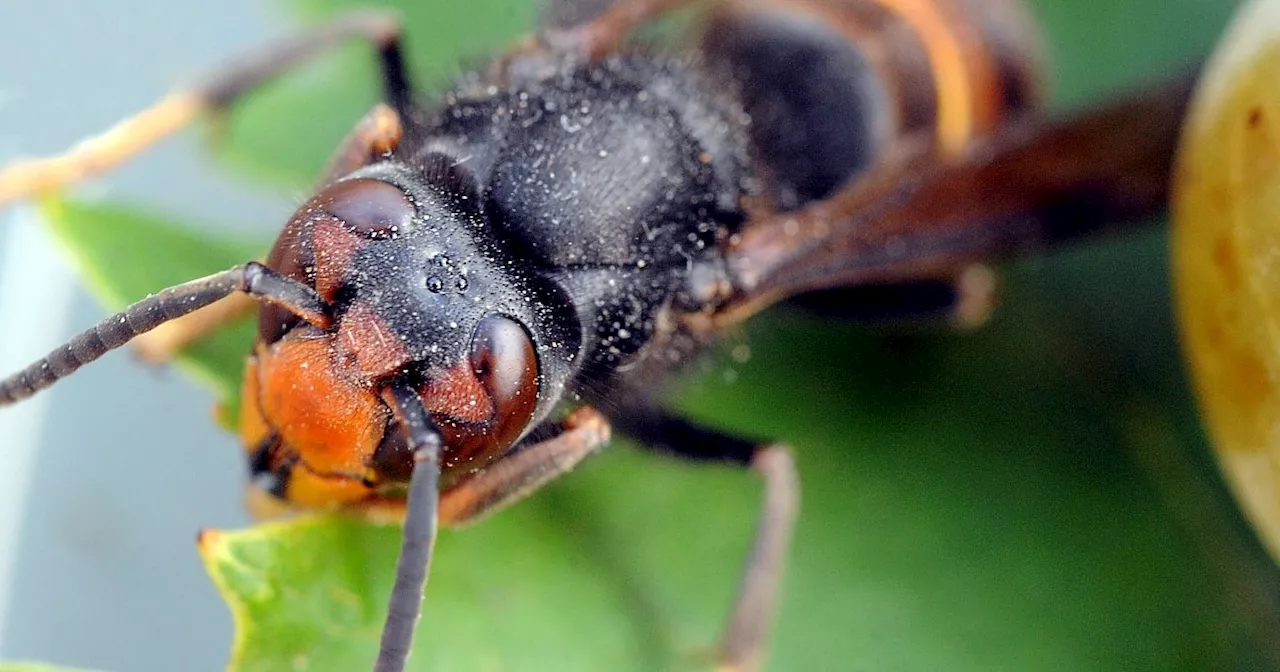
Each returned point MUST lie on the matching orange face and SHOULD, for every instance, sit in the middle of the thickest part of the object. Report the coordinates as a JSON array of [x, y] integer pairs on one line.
[[326, 434], [322, 428], [314, 416]]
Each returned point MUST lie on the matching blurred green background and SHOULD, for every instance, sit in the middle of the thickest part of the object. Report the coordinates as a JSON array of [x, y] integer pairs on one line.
[[1035, 495]]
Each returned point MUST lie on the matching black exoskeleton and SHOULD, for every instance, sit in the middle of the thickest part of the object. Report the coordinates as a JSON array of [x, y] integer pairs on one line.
[[607, 181]]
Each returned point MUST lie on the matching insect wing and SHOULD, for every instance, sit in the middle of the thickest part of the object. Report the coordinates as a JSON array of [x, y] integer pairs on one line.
[[1035, 184]]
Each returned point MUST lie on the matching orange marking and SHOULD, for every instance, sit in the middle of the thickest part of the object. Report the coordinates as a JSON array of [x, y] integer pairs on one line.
[[333, 423], [459, 394], [377, 349], [253, 427], [473, 428], [385, 129], [334, 246], [309, 489], [949, 59]]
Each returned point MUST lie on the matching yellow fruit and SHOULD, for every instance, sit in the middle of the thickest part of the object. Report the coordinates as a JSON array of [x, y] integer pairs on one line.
[[1226, 256]]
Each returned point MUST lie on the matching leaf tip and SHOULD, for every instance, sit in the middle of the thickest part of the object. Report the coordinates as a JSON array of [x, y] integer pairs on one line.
[[210, 542]]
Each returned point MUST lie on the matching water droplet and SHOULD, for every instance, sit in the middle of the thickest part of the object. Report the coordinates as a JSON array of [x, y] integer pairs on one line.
[[569, 126]]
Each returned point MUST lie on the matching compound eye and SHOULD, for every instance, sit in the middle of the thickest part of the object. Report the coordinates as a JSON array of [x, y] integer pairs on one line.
[[294, 257], [504, 360], [371, 208]]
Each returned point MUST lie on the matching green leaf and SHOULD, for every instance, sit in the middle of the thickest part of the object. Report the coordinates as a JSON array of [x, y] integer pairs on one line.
[[127, 253], [1105, 46]]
